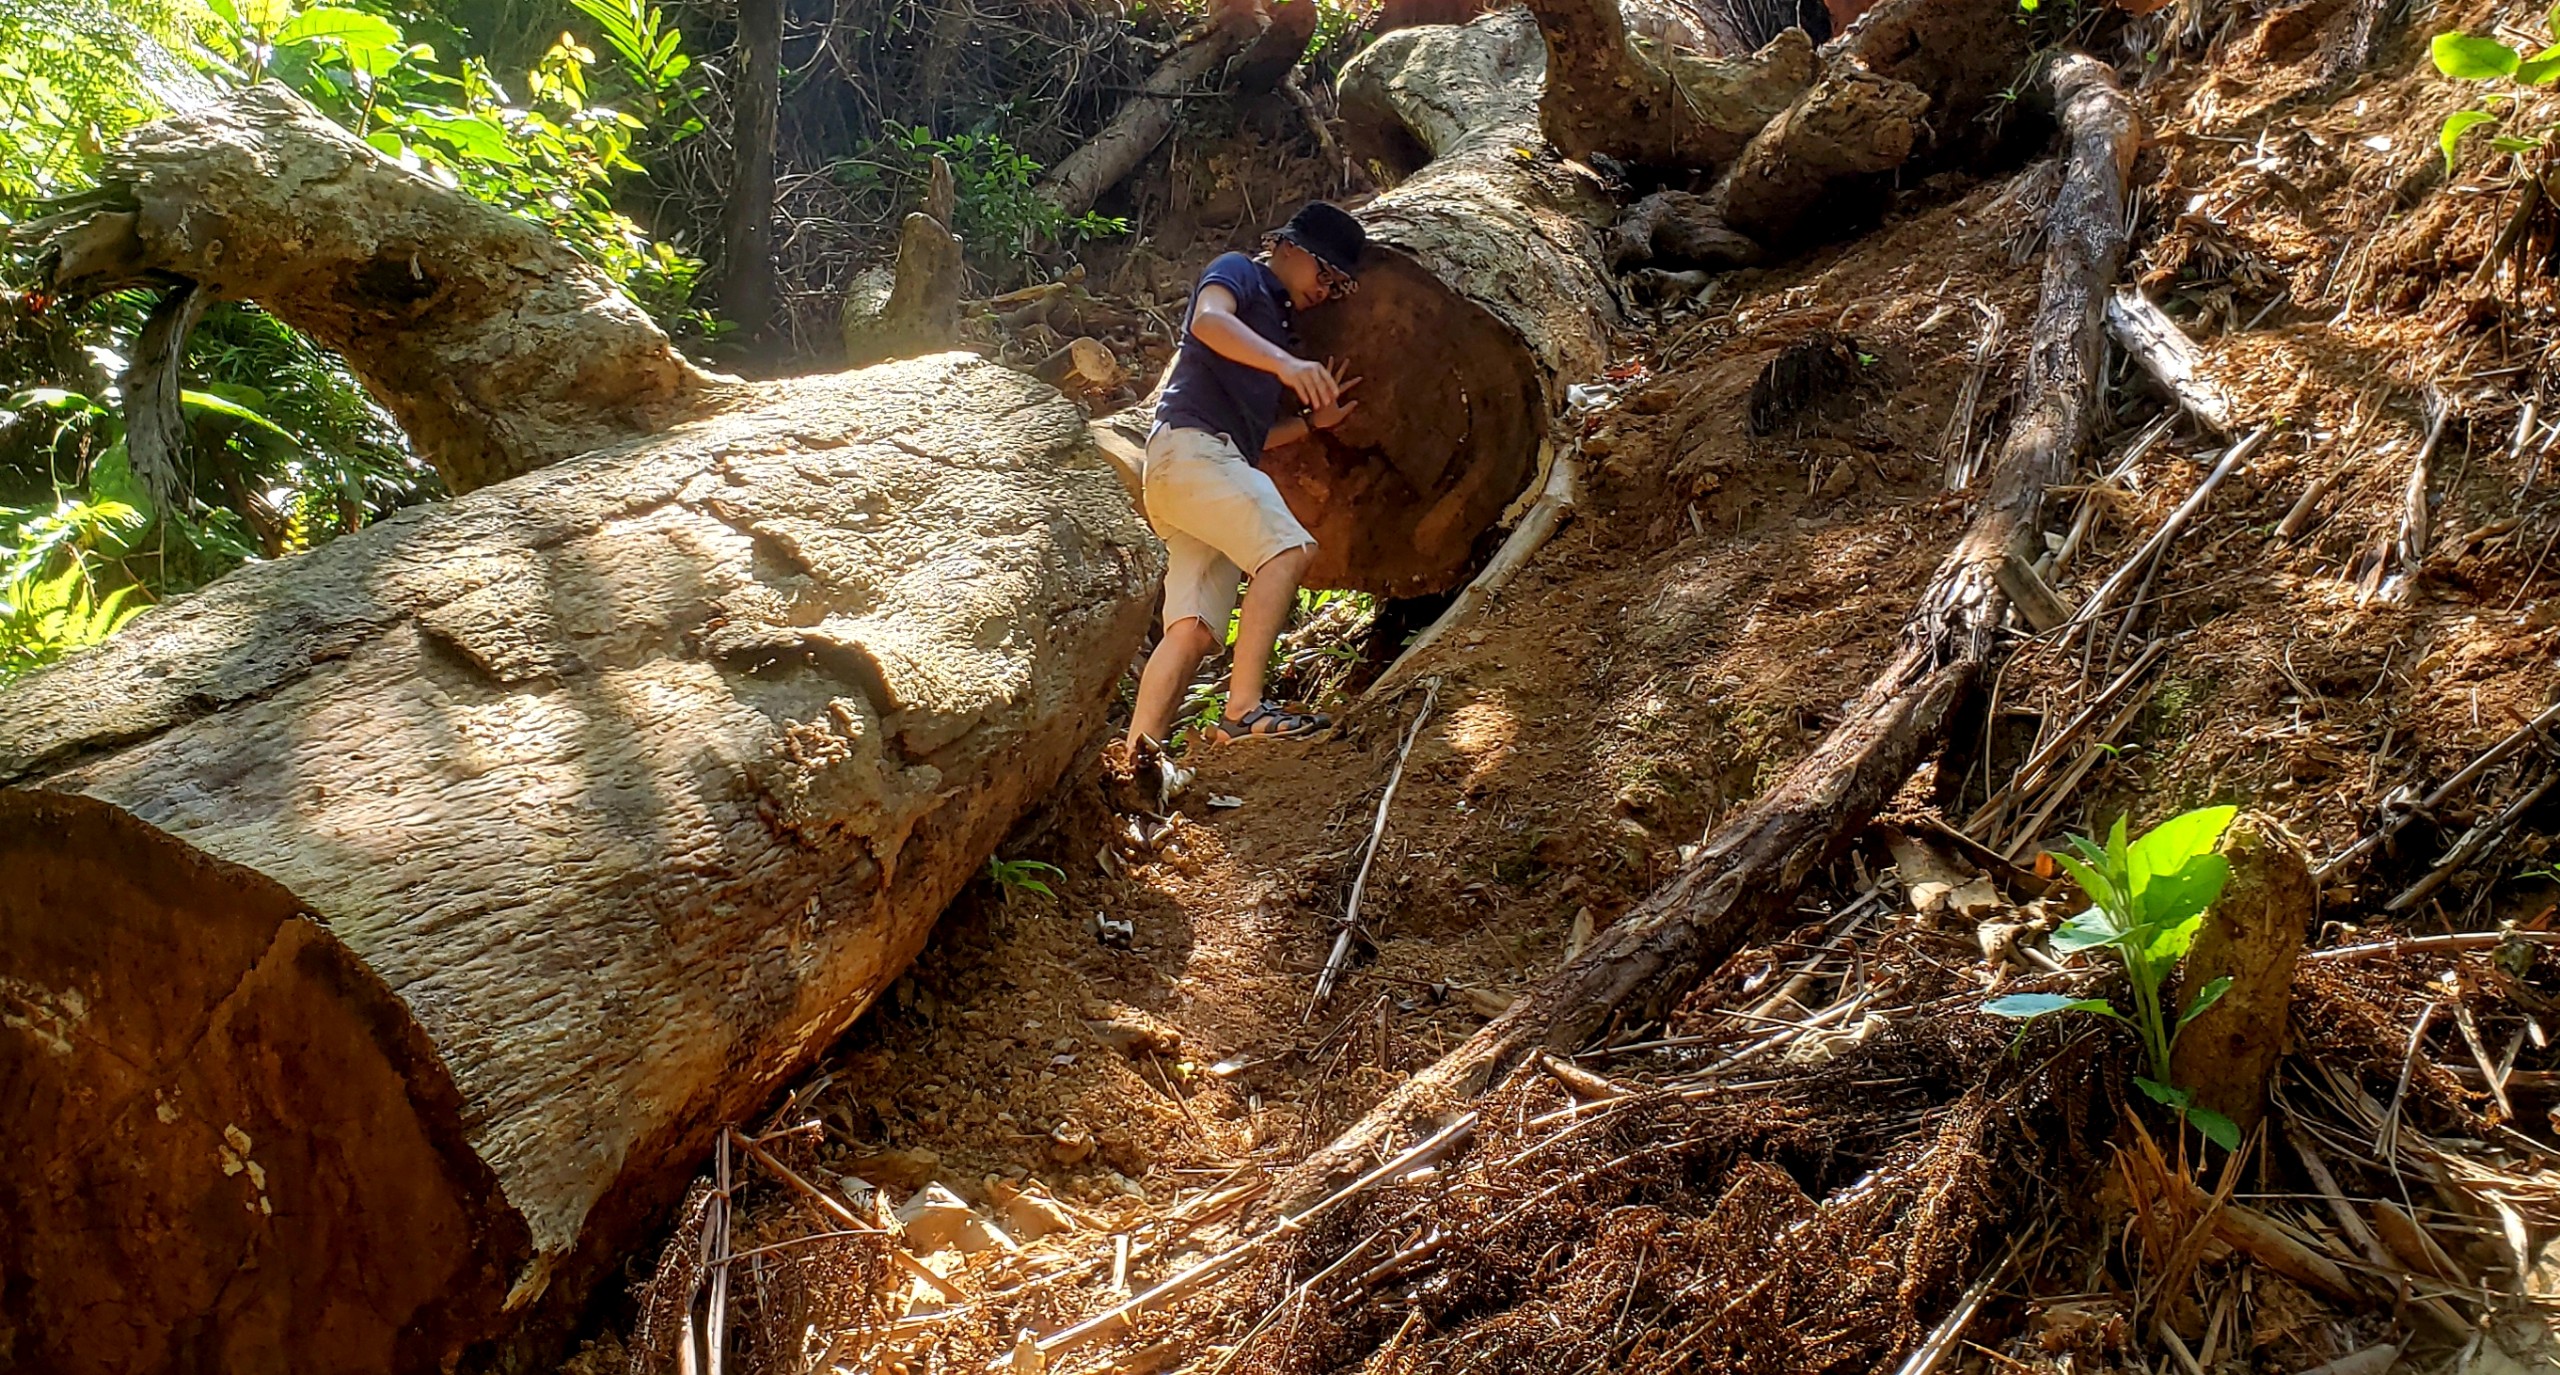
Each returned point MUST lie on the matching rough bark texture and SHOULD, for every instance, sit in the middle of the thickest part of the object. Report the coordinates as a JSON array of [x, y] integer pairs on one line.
[[1648, 102], [1081, 178], [912, 307], [746, 218], [1906, 80], [1486, 262], [389, 928], [1751, 868], [2253, 937], [497, 348]]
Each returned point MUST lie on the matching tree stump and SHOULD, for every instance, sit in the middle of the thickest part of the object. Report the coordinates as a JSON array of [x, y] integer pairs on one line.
[[2253, 936]]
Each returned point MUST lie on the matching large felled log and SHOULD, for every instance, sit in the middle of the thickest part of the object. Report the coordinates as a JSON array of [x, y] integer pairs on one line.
[[912, 306], [389, 929], [1611, 91], [1749, 870], [1481, 297], [495, 346], [1104, 161]]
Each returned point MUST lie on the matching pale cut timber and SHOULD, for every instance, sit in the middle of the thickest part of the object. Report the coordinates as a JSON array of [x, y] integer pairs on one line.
[[390, 928], [1750, 869], [2155, 343], [496, 347]]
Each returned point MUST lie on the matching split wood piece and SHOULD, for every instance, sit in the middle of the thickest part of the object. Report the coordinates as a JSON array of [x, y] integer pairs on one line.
[[2043, 608], [1749, 870], [2455, 941], [2305, 508], [2145, 559], [1085, 365], [2156, 344], [913, 306], [1339, 958], [2366, 1240], [2032, 775], [1545, 517], [1082, 177], [2265, 1240], [496, 347], [1942, 1339], [1906, 79], [405, 916], [2409, 546], [2536, 731], [2252, 938]]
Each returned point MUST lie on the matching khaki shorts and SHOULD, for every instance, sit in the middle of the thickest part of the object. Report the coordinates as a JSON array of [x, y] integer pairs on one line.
[[1218, 516]]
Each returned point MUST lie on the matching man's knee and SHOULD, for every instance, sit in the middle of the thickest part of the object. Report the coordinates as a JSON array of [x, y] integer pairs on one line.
[[1191, 635], [1288, 563]]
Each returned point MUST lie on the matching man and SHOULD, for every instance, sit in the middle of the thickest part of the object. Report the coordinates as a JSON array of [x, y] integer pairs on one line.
[[1204, 491]]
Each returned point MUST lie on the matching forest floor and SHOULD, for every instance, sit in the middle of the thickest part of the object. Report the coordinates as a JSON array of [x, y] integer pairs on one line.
[[1716, 599]]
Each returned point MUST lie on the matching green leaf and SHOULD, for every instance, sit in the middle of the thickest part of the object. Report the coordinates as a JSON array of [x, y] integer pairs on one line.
[[2465, 58], [2033, 1005], [2162, 1094], [114, 488], [2093, 880], [2539, 69], [2088, 930], [2170, 941], [2455, 126], [2187, 893], [327, 23], [232, 410], [2509, 143], [2167, 847], [263, 17], [2218, 1129], [2207, 997], [2116, 863], [471, 136]]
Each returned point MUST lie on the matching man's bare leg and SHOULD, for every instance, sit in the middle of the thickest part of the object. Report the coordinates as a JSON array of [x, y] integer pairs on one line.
[[1268, 597], [1169, 668]]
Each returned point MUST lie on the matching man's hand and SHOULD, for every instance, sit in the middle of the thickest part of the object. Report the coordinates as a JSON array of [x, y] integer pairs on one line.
[[1326, 417], [1313, 382]]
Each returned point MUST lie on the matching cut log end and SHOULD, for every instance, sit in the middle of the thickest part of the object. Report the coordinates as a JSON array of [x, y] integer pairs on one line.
[[277, 1113], [1451, 411]]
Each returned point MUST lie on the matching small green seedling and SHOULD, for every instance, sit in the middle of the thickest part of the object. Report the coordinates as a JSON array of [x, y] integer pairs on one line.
[[2507, 76], [2148, 900], [1022, 875]]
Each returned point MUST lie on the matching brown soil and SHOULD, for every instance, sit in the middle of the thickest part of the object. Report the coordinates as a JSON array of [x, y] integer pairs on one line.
[[1716, 599]]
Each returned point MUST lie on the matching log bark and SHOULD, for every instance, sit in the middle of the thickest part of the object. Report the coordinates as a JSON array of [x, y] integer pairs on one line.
[[495, 346], [1083, 176], [1906, 80], [1646, 102], [746, 217], [1482, 296], [2253, 937], [390, 928], [1750, 869]]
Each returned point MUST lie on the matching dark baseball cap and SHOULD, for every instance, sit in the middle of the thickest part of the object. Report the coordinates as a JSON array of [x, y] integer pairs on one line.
[[1330, 233]]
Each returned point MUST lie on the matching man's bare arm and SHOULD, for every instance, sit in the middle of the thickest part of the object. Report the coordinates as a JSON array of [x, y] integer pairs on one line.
[[1214, 322]]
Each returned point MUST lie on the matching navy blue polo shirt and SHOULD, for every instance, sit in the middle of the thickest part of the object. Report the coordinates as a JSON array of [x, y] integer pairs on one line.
[[1217, 394]]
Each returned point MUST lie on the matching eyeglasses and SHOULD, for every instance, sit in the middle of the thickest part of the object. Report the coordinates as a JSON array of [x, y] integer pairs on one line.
[[1336, 281]]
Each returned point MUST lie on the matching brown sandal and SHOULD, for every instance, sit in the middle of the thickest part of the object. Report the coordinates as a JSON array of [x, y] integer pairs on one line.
[[1267, 722]]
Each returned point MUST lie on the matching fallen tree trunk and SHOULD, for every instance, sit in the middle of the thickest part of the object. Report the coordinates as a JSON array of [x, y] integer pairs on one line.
[[389, 929], [1750, 869], [1482, 296], [494, 345], [1083, 176]]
